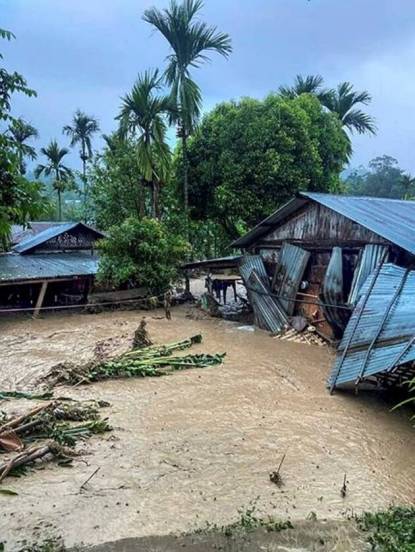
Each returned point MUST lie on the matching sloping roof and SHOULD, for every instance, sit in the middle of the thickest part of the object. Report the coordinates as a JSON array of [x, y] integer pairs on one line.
[[19, 268], [20, 232], [380, 335], [269, 223], [392, 219], [31, 243]]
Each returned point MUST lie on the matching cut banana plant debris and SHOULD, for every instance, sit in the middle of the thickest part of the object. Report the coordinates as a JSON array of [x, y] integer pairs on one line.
[[49, 430], [152, 361]]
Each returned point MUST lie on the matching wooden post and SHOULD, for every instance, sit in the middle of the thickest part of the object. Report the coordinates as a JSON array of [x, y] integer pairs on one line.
[[40, 299]]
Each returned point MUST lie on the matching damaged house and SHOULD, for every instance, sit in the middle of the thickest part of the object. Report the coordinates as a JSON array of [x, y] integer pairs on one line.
[[49, 265], [343, 264]]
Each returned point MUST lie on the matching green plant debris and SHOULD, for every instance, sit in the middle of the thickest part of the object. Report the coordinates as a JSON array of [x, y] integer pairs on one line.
[[247, 522], [8, 492], [392, 530], [152, 361], [7, 395], [53, 544], [50, 432]]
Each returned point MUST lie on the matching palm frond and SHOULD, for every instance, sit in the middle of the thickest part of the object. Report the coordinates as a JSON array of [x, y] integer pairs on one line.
[[81, 131], [357, 120], [191, 41]]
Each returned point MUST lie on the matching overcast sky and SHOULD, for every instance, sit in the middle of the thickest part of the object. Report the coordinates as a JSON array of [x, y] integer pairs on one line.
[[87, 53]]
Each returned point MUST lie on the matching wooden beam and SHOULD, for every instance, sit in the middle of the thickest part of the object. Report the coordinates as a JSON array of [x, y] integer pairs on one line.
[[40, 299]]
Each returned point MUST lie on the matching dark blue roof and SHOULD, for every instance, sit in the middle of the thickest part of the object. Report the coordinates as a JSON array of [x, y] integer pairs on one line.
[[43, 266], [392, 219], [380, 334], [31, 243]]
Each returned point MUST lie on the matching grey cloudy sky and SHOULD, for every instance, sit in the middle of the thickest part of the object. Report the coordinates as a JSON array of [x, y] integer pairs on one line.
[[87, 53]]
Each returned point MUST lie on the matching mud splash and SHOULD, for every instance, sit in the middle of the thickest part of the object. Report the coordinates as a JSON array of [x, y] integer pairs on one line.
[[199, 445]]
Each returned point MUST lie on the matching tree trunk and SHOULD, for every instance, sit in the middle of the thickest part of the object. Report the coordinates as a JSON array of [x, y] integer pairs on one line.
[[185, 172], [84, 177], [59, 205], [155, 199], [185, 182]]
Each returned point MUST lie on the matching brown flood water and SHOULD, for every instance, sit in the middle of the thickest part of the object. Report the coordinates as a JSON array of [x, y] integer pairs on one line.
[[199, 445]]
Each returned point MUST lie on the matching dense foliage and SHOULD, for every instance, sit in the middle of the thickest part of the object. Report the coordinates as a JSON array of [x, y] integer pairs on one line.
[[391, 531], [190, 41], [383, 178], [141, 253], [117, 189], [249, 157], [20, 200]]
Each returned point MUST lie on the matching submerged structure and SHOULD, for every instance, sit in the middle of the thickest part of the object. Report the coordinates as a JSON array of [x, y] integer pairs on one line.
[[54, 266], [342, 264]]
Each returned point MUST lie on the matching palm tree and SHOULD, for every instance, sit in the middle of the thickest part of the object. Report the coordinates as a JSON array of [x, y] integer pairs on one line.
[[81, 131], [20, 131], [143, 115], [190, 41], [62, 175], [343, 102], [311, 84], [408, 184]]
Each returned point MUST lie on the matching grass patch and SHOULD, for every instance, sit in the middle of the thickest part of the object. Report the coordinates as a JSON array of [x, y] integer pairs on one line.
[[247, 522], [392, 530]]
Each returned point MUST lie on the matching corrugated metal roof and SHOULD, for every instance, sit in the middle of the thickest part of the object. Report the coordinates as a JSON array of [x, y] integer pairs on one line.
[[269, 223], [29, 244], [380, 333], [20, 232], [332, 292], [18, 268], [291, 265], [392, 219], [268, 311], [369, 258]]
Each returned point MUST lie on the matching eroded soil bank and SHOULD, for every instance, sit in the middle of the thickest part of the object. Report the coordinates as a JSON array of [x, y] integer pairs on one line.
[[197, 446]]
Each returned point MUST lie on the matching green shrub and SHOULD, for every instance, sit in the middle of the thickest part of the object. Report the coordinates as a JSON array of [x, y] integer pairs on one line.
[[392, 531], [141, 253]]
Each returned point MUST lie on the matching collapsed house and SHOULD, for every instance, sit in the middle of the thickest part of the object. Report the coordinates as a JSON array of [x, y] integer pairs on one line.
[[342, 264], [49, 265]]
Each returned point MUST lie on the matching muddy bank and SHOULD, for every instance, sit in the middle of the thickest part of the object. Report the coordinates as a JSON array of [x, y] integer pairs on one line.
[[199, 445], [304, 537]]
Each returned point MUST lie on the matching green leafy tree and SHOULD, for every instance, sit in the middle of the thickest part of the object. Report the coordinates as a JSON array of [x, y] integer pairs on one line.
[[20, 200], [61, 174], [383, 178], [342, 101], [141, 253], [20, 132], [117, 190], [142, 116], [81, 132], [191, 41], [249, 157]]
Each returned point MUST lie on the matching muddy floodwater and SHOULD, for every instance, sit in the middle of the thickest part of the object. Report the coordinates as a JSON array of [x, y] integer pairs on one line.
[[197, 446]]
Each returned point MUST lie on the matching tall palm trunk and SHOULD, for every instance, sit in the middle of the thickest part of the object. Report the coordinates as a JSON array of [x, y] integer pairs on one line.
[[59, 205], [155, 199], [59, 196], [84, 170], [185, 173]]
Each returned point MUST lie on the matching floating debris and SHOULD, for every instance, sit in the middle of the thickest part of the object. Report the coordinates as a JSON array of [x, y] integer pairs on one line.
[[153, 361], [51, 425], [275, 476], [308, 336]]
